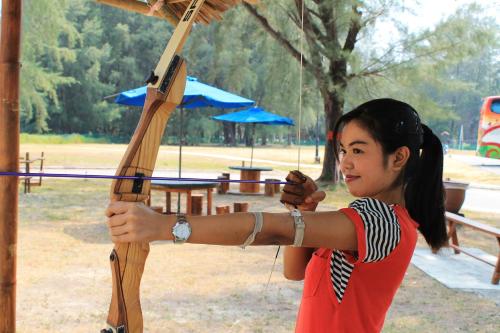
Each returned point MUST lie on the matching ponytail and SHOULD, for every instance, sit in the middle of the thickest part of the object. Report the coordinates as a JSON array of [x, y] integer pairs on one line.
[[424, 193]]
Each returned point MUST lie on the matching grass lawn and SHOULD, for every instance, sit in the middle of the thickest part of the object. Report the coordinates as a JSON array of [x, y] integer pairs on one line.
[[208, 158]]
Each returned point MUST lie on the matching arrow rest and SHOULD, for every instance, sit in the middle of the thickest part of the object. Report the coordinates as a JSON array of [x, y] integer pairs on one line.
[[152, 78]]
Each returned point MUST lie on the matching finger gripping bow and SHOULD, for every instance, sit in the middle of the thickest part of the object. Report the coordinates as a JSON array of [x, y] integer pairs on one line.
[[297, 189]]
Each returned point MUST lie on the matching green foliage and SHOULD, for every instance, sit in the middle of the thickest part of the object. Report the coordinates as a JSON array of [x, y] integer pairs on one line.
[[444, 72], [46, 46], [77, 52]]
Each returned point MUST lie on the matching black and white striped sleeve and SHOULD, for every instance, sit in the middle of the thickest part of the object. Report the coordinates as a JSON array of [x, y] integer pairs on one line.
[[381, 228]]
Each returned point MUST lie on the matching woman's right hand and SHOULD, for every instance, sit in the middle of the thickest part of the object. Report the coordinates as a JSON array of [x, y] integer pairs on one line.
[[135, 222], [301, 192]]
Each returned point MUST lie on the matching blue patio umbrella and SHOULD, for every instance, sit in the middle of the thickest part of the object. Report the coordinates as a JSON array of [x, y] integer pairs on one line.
[[254, 116], [196, 95]]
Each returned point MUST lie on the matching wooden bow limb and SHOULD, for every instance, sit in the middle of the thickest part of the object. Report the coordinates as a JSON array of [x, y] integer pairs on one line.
[[164, 93]]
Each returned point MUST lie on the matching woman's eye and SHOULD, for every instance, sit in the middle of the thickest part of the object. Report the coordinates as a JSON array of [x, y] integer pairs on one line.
[[357, 151], [342, 151]]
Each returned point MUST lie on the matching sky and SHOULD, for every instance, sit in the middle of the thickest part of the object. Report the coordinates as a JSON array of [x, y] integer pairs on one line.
[[424, 14], [430, 12], [435, 9]]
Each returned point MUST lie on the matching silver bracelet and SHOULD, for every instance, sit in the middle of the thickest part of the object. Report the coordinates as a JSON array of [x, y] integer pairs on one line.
[[256, 229], [299, 225]]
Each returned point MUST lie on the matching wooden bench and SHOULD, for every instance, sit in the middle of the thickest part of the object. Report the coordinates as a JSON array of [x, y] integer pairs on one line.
[[454, 219], [28, 180]]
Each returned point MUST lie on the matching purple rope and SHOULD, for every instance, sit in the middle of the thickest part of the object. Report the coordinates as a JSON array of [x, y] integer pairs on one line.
[[63, 175]]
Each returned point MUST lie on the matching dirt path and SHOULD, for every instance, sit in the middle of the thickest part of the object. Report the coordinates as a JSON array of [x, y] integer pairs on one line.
[[64, 280]]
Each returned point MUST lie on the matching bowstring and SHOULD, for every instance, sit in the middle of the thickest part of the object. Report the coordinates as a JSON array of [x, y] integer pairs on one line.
[[301, 72]]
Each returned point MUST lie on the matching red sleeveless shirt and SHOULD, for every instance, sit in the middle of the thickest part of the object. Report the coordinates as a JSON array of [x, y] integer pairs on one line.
[[343, 293]]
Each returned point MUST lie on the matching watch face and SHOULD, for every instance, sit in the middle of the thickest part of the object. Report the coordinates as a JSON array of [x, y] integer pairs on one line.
[[182, 231]]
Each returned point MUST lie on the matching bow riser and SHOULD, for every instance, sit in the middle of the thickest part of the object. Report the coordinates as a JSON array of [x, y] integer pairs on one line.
[[128, 259], [141, 154]]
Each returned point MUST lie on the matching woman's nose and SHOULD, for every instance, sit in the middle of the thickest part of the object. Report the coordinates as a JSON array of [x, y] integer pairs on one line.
[[345, 163]]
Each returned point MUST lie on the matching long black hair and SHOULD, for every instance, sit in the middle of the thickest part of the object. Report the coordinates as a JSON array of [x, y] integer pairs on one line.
[[395, 124]]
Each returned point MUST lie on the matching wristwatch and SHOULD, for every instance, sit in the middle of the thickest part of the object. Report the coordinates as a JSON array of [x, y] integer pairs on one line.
[[299, 227], [181, 230]]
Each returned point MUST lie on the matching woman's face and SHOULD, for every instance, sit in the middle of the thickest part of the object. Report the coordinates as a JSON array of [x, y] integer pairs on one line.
[[363, 167]]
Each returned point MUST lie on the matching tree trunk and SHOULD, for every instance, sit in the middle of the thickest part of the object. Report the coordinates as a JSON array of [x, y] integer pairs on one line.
[[233, 134], [228, 130], [334, 106], [248, 135]]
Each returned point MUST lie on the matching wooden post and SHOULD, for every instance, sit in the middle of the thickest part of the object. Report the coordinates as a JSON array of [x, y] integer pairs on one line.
[[168, 202], [452, 234], [209, 201], [219, 210], [250, 187], [28, 170], [196, 204], [496, 274], [42, 158], [10, 47], [27, 179], [240, 207], [189, 203], [277, 187], [269, 187], [223, 187]]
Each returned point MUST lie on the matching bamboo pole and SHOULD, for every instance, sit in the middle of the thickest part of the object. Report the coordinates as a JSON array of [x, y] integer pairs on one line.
[[141, 8], [172, 10], [10, 45]]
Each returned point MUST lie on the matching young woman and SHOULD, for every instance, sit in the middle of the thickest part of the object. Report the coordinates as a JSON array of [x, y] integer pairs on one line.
[[352, 260]]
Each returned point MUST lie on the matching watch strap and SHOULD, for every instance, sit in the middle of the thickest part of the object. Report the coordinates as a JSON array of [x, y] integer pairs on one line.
[[299, 225]]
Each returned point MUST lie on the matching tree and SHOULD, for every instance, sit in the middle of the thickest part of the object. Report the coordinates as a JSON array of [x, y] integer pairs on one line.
[[43, 59], [114, 52], [333, 32], [446, 89]]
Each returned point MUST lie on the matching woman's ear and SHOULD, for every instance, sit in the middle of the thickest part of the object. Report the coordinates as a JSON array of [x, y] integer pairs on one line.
[[400, 158]]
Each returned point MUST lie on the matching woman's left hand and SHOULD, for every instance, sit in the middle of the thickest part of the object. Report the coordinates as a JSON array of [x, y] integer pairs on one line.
[[134, 222], [301, 192]]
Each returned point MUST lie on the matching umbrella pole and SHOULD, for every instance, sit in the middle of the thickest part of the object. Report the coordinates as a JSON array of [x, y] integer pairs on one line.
[[181, 134], [253, 136]]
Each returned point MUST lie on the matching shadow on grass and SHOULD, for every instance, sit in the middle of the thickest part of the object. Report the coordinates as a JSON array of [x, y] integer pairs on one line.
[[93, 233]]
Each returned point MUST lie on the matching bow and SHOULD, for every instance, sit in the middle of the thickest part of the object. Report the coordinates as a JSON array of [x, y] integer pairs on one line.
[[164, 92]]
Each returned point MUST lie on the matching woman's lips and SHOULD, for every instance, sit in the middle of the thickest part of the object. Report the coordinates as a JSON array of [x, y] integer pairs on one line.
[[350, 178]]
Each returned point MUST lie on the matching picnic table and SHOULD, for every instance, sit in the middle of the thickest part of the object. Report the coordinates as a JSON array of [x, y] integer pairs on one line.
[[186, 187], [250, 173]]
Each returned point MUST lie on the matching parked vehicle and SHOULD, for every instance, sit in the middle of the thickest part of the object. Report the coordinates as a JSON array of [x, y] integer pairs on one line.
[[488, 135]]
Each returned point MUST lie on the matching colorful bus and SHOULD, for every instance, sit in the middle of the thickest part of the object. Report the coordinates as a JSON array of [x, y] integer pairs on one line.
[[488, 135]]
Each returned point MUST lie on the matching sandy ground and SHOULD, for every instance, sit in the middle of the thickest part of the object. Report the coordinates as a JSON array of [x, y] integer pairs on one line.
[[64, 282]]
